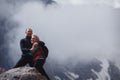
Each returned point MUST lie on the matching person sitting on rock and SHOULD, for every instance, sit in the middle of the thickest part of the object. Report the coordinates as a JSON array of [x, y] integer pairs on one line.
[[38, 54]]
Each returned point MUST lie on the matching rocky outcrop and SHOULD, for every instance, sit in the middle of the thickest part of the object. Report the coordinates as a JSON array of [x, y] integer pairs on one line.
[[22, 73]]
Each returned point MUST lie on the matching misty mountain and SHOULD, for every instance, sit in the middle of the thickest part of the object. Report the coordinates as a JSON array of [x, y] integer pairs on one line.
[[114, 71], [79, 71], [82, 71]]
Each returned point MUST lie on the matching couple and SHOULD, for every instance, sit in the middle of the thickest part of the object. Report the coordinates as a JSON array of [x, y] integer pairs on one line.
[[34, 52]]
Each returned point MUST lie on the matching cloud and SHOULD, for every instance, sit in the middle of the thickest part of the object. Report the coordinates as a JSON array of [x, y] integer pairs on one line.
[[113, 3], [8, 8], [86, 31], [72, 33], [117, 4], [81, 32]]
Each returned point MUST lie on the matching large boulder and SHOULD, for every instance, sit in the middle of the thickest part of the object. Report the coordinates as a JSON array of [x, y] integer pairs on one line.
[[22, 73]]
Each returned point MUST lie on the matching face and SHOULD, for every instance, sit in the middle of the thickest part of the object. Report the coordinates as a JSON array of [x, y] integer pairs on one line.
[[34, 39], [28, 32]]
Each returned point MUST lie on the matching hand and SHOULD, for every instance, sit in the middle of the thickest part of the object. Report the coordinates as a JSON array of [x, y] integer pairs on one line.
[[33, 47]]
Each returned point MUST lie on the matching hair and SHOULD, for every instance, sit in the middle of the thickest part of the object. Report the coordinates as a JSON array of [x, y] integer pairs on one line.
[[36, 37], [28, 28]]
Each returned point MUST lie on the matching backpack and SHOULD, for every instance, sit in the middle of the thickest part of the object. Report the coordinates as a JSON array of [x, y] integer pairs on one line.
[[45, 51]]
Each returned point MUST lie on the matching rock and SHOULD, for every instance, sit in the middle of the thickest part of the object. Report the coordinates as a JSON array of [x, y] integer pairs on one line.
[[22, 73]]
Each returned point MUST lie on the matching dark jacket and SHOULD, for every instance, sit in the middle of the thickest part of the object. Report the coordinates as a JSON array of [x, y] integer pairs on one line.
[[25, 45]]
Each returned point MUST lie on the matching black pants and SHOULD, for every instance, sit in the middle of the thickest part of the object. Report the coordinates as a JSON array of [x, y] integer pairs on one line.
[[25, 59], [39, 66]]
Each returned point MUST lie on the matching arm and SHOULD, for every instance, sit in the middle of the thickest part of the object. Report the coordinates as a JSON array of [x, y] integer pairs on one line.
[[34, 47]]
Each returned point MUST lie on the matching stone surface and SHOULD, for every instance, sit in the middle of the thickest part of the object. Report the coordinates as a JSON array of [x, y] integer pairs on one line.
[[22, 73]]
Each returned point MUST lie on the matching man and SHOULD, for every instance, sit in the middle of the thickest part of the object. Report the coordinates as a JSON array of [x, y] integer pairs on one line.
[[39, 52], [25, 45]]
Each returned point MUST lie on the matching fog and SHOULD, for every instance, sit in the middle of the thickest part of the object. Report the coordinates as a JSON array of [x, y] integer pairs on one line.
[[78, 32], [73, 30], [8, 8]]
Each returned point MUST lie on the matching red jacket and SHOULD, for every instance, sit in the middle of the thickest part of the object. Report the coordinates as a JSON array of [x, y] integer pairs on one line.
[[38, 54]]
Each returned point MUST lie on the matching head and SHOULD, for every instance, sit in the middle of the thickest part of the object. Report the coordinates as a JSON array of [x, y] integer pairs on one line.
[[28, 32], [34, 39]]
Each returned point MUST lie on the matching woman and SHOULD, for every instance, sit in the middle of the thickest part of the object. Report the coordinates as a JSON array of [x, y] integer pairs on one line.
[[37, 53]]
